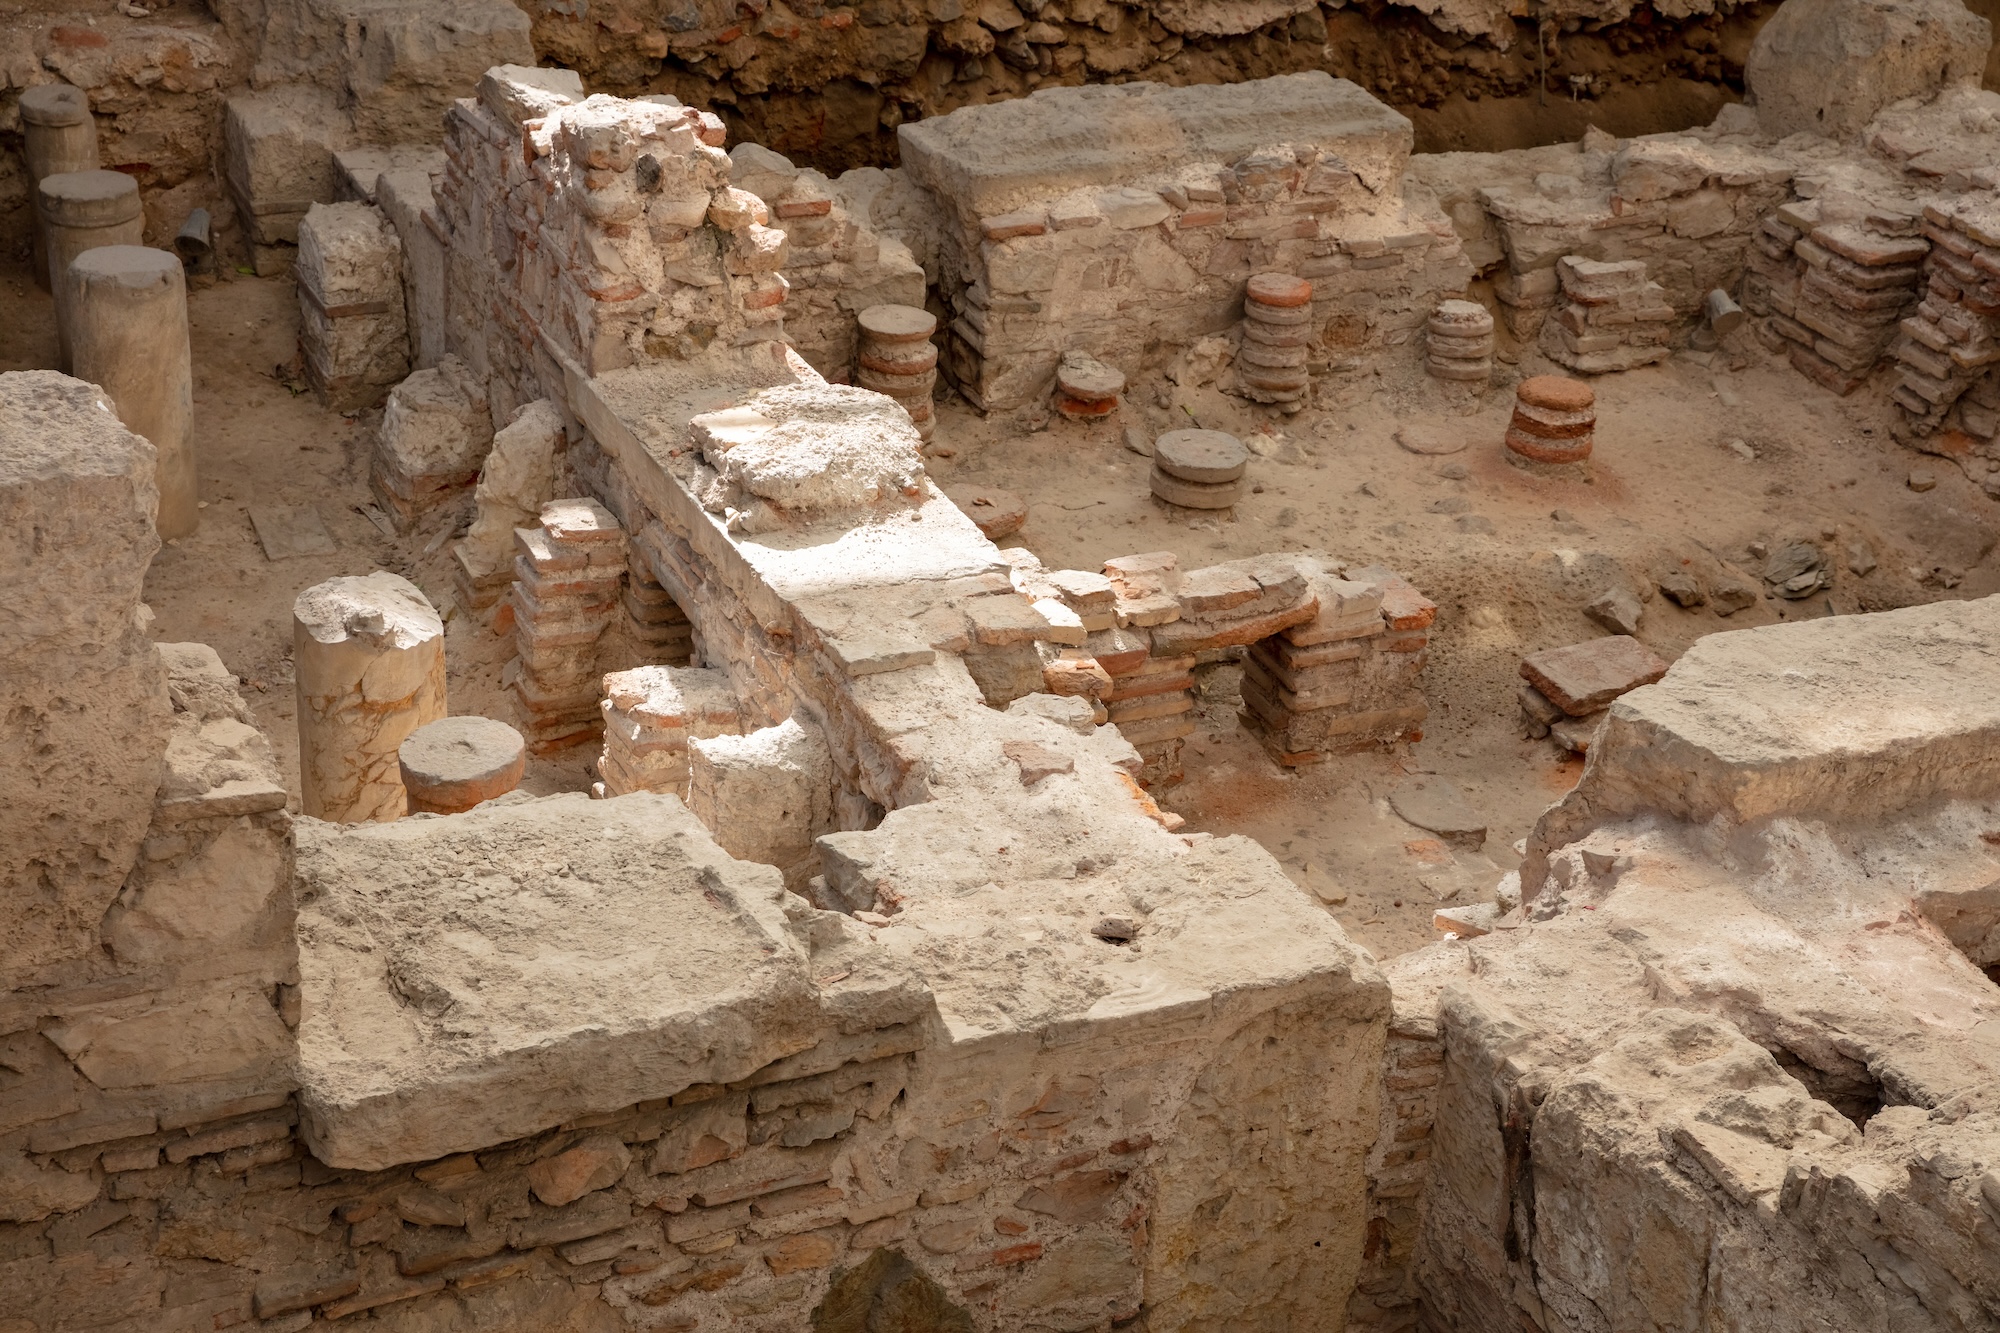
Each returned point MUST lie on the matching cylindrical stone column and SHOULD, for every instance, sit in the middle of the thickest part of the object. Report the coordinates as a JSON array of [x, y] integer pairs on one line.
[[454, 763], [58, 136], [368, 656], [83, 210], [128, 335]]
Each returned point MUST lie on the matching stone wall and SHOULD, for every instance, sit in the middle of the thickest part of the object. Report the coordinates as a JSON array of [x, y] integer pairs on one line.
[[1727, 1070], [1090, 219]]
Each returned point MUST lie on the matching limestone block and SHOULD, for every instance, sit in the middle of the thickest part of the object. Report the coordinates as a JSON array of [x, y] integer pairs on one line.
[[1828, 66], [989, 160], [351, 308], [86, 713], [278, 147], [222, 1030], [405, 198], [630, 958], [368, 652], [803, 452], [766, 795], [517, 480], [1746, 726], [434, 436], [212, 888], [405, 62]]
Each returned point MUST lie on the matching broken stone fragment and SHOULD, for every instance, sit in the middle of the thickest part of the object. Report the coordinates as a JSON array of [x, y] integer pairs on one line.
[[1583, 678], [1436, 805], [1616, 609]]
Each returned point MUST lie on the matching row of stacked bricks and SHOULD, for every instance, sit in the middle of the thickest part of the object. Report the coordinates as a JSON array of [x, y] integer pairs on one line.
[[1345, 679], [1151, 697], [1611, 318], [895, 356], [1277, 330], [650, 715], [1459, 342], [1948, 344], [1830, 295], [567, 574], [658, 629]]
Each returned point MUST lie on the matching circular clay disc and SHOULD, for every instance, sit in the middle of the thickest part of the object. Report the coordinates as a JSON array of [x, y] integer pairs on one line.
[[1558, 392], [1089, 379], [1279, 289], [897, 323], [1193, 494], [995, 512], [1423, 439], [1207, 457], [456, 762]]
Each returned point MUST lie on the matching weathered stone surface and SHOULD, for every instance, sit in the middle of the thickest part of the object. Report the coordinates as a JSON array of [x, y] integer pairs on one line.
[[1828, 66], [86, 716], [766, 795], [627, 957], [455, 763], [991, 159], [1747, 726], [1438, 806]]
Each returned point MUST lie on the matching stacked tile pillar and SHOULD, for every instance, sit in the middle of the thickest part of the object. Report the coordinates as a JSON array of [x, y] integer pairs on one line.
[[650, 715], [1554, 426], [1151, 699], [566, 580], [368, 657], [896, 357], [1459, 342], [58, 136], [654, 622], [1346, 679], [128, 331], [81, 210], [1277, 330]]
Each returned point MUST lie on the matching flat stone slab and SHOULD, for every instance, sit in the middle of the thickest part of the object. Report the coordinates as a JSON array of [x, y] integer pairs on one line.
[[1424, 439], [476, 978], [1438, 806], [993, 159], [1584, 677], [285, 533], [897, 323]]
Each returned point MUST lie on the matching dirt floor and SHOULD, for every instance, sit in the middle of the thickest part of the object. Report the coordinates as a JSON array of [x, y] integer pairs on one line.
[[1702, 464]]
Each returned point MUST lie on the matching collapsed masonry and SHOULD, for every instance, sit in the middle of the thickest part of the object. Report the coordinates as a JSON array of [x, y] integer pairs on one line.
[[908, 997]]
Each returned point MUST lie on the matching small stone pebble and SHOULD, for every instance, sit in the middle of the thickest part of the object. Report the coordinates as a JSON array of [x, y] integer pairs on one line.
[[1922, 479]]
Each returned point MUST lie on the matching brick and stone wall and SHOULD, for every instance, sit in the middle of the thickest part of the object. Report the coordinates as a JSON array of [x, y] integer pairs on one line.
[[1088, 220]]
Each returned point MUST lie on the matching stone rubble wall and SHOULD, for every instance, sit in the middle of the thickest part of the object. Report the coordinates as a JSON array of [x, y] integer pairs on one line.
[[602, 231], [836, 266]]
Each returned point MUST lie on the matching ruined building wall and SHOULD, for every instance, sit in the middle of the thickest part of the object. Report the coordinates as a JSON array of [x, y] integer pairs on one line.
[[827, 86], [1736, 1064]]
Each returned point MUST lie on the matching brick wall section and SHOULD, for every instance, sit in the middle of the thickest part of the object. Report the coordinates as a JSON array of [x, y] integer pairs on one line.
[[1947, 344]]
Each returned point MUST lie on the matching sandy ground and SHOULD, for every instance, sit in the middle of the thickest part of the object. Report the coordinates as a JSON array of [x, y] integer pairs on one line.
[[1509, 558]]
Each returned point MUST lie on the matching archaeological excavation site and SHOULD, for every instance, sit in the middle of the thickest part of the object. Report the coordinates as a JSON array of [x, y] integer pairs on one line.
[[945, 666]]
